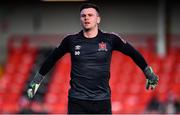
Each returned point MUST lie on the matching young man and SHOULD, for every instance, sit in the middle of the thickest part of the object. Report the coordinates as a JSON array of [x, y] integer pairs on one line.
[[91, 52]]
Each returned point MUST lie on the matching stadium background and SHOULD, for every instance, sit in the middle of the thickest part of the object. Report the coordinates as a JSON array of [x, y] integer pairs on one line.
[[30, 30]]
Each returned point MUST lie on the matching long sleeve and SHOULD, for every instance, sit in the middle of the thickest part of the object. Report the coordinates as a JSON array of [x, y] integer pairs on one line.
[[50, 61], [127, 49], [54, 56]]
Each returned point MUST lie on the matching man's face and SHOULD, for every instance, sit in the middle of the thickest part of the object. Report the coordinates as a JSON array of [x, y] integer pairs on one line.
[[89, 18]]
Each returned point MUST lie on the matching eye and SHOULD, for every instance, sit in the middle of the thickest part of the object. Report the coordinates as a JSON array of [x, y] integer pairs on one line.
[[90, 15], [83, 15]]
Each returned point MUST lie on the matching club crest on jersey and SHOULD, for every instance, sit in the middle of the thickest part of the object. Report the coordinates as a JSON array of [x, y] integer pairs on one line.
[[102, 46]]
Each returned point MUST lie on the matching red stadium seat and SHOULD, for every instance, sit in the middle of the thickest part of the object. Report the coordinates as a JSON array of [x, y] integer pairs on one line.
[[17, 70], [10, 108]]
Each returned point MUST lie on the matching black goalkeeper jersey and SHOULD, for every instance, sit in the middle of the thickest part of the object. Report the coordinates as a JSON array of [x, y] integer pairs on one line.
[[91, 58]]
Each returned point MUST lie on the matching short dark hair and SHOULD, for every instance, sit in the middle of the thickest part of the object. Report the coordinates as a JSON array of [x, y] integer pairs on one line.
[[90, 5]]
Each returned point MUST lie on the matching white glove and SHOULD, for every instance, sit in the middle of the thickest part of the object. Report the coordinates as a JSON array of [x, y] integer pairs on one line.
[[33, 87]]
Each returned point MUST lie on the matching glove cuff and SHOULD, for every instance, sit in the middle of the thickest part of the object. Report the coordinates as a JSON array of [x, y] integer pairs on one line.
[[38, 78]]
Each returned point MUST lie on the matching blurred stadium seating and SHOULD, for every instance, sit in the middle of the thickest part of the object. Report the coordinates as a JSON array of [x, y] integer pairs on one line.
[[127, 81], [18, 67]]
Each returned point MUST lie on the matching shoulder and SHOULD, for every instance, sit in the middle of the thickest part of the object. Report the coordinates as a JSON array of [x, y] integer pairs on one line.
[[114, 36], [110, 34], [71, 36]]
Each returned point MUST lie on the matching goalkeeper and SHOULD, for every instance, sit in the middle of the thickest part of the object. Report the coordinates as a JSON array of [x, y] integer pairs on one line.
[[91, 52]]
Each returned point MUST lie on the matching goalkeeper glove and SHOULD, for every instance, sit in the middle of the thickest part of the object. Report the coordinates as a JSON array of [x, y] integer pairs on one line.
[[151, 78], [33, 87]]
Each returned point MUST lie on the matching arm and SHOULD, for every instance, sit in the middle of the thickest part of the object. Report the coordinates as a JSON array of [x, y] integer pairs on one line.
[[124, 47], [50, 61]]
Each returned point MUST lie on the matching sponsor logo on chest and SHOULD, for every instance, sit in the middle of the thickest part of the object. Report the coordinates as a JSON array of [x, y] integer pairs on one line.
[[77, 50]]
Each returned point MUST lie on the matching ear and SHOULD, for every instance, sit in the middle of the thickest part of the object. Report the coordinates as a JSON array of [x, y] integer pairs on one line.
[[98, 19]]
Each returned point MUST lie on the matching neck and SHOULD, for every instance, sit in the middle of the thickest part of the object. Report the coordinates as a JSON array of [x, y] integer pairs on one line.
[[91, 33]]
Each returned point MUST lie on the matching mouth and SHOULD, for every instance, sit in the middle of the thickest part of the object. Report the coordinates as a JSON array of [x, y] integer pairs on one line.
[[86, 23]]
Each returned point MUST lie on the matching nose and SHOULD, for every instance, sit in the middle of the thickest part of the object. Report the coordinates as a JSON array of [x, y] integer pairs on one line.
[[86, 17]]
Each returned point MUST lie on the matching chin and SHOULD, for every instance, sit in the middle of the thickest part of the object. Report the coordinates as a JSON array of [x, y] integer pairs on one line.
[[87, 29]]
